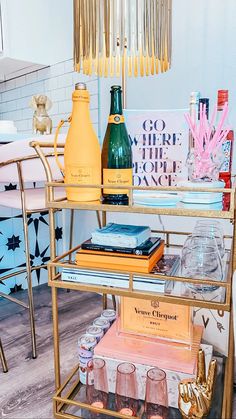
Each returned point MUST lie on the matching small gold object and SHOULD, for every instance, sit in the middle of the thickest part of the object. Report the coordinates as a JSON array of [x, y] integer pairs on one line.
[[195, 395], [41, 121]]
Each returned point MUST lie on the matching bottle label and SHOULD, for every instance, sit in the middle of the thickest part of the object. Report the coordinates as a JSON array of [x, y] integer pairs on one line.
[[227, 153], [116, 119], [117, 177], [79, 175]]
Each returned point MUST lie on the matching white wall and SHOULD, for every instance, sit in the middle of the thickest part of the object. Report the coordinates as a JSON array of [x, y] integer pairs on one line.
[[38, 31]]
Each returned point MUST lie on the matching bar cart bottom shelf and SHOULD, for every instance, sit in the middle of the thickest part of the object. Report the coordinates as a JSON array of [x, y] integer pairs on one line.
[[70, 400]]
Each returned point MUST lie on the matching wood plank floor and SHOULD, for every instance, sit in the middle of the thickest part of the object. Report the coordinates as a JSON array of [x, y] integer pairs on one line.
[[26, 390]]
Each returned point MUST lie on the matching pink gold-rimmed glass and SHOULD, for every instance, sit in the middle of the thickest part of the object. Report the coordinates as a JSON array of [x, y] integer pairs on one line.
[[156, 398], [126, 389], [96, 384]]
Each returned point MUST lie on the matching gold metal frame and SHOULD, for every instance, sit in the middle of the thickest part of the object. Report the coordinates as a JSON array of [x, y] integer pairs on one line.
[[3, 359], [28, 270], [64, 260]]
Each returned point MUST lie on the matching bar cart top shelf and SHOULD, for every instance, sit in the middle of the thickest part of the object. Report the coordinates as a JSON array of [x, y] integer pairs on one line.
[[180, 209]]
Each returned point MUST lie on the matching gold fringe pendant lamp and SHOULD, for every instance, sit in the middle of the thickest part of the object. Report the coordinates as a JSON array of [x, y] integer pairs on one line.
[[128, 36]]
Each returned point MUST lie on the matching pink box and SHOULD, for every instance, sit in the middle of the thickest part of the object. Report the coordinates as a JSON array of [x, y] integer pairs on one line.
[[150, 350], [114, 349]]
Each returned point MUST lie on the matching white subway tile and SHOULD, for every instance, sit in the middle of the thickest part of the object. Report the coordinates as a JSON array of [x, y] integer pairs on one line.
[[30, 124], [11, 106], [93, 101], [68, 92], [10, 84], [3, 107], [64, 106], [53, 110], [33, 89], [57, 118], [20, 81], [11, 115], [9, 95], [51, 84], [17, 93], [44, 73], [47, 93], [2, 86], [57, 69], [4, 116], [92, 78], [65, 80], [80, 77], [23, 102], [68, 66], [27, 113], [64, 130], [57, 82], [92, 86], [94, 115], [32, 77], [58, 94], [18, 115]]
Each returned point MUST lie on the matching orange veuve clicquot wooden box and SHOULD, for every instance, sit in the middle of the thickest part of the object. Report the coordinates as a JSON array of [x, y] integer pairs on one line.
[[156, 318]]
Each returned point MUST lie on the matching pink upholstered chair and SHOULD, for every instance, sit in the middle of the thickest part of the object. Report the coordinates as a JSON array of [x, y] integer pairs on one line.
[[19, 163]]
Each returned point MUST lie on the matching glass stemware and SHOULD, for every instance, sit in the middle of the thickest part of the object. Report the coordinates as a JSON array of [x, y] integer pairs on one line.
[[126, 389], [97, 384], [214, 229], [201, 260], [156, 398]]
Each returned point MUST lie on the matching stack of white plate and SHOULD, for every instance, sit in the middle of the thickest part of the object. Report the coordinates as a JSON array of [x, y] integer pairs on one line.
[[155, 198], [202, 197]]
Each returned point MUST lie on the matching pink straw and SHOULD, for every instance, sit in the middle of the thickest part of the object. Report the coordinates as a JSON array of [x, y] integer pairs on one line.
[[205, 141]]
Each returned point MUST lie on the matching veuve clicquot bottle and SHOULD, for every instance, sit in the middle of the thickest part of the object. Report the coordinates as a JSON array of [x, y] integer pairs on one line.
[[116, 154]]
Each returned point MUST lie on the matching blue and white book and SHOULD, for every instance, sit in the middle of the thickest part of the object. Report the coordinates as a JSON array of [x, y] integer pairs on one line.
[[110, 279], [121, 235]]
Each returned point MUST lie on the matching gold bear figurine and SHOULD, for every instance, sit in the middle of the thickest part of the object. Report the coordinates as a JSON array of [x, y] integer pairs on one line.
[[195, 395]]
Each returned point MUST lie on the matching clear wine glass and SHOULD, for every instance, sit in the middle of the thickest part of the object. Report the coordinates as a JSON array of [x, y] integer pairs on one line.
[[156, 397], [97, 384], [210, 223], [126, 389], [201, 260], [214, 229]]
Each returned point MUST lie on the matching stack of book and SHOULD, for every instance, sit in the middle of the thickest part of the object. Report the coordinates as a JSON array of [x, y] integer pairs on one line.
[[121, 247]]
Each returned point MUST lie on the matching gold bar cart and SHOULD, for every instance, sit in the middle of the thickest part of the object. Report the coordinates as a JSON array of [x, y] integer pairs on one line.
[[66, 401]]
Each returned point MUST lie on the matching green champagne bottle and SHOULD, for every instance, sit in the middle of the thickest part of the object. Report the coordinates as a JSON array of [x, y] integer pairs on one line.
[[116, 153]]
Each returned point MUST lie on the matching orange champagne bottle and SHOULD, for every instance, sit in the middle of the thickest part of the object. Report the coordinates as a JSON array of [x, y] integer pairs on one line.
[[82, 155]]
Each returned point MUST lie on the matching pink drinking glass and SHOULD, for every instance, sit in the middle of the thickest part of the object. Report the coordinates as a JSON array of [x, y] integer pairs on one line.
[[156, 399], [96, 384], [126, 389]]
